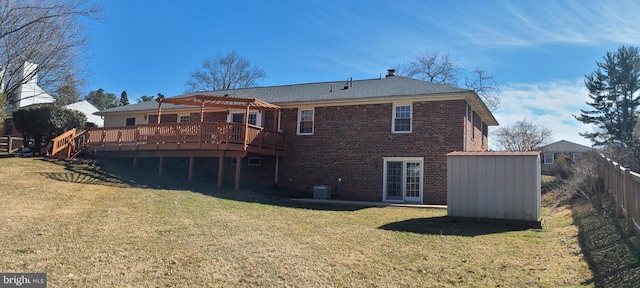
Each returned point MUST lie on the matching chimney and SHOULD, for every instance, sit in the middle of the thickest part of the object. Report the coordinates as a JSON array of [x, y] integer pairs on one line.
[[391, 73]]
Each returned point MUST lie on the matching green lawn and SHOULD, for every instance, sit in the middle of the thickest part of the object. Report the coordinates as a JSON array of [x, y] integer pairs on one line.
[[107, 226]]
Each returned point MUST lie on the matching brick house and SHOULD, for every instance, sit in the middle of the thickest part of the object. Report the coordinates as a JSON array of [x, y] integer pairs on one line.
[[562, 150], [371, 140]]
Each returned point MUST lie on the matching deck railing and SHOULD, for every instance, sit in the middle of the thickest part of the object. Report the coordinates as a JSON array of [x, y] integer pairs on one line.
[[624, 185], [187, 136], [66, 143], [63, 143]]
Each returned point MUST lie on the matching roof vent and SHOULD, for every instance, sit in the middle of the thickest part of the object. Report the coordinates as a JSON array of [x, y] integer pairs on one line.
[[391, 72]]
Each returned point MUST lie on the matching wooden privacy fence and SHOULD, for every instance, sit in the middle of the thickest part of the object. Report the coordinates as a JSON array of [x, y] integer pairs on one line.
[[624, 185]]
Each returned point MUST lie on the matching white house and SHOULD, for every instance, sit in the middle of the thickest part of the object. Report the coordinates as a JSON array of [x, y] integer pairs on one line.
[[29, 93]]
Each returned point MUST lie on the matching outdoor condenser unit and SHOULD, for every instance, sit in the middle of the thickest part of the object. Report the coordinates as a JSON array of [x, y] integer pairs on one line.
[[321, 192]]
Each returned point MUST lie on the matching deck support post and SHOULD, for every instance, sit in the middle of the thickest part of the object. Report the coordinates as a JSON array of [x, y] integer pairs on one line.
[[160, 165], [135, 162], [246, 129], [236, 187], [220, 170], [159, 109], [190, 169]]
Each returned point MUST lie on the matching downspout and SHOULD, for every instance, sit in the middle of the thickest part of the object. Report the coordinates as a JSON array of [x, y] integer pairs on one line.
[[279, 118]]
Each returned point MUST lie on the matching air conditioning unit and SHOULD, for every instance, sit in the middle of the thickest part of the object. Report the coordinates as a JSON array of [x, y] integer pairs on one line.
[[321, 192]]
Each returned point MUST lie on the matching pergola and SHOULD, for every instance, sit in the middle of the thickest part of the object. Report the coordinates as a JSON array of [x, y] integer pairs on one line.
[[221, 102], [225, 102]]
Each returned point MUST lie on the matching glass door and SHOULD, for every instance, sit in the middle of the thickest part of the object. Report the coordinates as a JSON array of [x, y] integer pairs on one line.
[[403, 179]]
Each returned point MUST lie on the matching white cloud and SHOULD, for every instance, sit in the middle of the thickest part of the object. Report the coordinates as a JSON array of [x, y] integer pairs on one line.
[[551, 104], [525, 23]]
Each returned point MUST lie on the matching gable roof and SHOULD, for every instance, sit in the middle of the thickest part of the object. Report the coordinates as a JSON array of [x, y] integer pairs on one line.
[[87, 109], [341, 91], [564, 146]]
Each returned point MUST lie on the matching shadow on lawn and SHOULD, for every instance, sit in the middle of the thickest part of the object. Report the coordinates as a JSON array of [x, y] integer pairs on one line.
[[612, 254], [117, 174], [444, 225]]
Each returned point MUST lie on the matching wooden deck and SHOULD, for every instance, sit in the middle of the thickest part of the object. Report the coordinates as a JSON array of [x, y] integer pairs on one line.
[[185, 138]]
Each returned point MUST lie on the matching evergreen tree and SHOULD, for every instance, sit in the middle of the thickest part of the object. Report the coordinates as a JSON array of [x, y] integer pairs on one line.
[[145, 98], [124, 100], [102, 100], [67, 92], [160, 96], [613, 89]]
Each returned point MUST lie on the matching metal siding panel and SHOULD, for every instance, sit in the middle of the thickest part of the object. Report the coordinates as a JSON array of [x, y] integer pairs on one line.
[[538, 189], [464, 187], [521, 189], [499, 187], [510, 208], [484, 170], [452, 187], [472, 191], [509, 189]]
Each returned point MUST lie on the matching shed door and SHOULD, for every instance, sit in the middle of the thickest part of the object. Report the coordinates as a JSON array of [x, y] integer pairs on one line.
[[403, 179]]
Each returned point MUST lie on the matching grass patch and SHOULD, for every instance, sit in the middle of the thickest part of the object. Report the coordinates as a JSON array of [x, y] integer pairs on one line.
[[102, 226], [613, 255]]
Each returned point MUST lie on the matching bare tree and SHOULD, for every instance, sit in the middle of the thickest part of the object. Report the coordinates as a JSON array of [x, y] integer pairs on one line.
[[224, 72], [47, 33], [443, 69], [523, 135]]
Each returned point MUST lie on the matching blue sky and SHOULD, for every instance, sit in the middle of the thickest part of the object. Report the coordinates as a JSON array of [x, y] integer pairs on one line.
[[538, 51]]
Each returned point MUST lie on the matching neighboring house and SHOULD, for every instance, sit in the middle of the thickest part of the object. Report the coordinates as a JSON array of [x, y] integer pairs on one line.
[[373, 140], [562, 149], [88, 110], [30, 93]]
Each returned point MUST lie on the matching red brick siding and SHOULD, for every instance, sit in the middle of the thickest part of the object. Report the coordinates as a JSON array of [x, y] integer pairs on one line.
[[350, 141], [477, 138]]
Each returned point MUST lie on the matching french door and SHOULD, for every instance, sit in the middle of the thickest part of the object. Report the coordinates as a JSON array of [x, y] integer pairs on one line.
[[403, 179]]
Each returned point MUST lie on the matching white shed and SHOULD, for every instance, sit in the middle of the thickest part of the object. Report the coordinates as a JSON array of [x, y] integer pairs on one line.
[[496, 185]]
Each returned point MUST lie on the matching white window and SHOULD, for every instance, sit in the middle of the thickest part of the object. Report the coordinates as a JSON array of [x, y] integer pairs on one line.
[[254, 161], [548, 158], [185, 118], [401, 119], [305, 121], [253, 118], [238, 117]]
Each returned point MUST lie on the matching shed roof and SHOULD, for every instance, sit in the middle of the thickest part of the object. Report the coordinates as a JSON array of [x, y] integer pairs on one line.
[[494, 153]]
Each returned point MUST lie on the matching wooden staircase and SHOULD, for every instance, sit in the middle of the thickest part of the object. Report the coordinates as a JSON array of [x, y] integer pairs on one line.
[[68, 145], [10, 144]]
